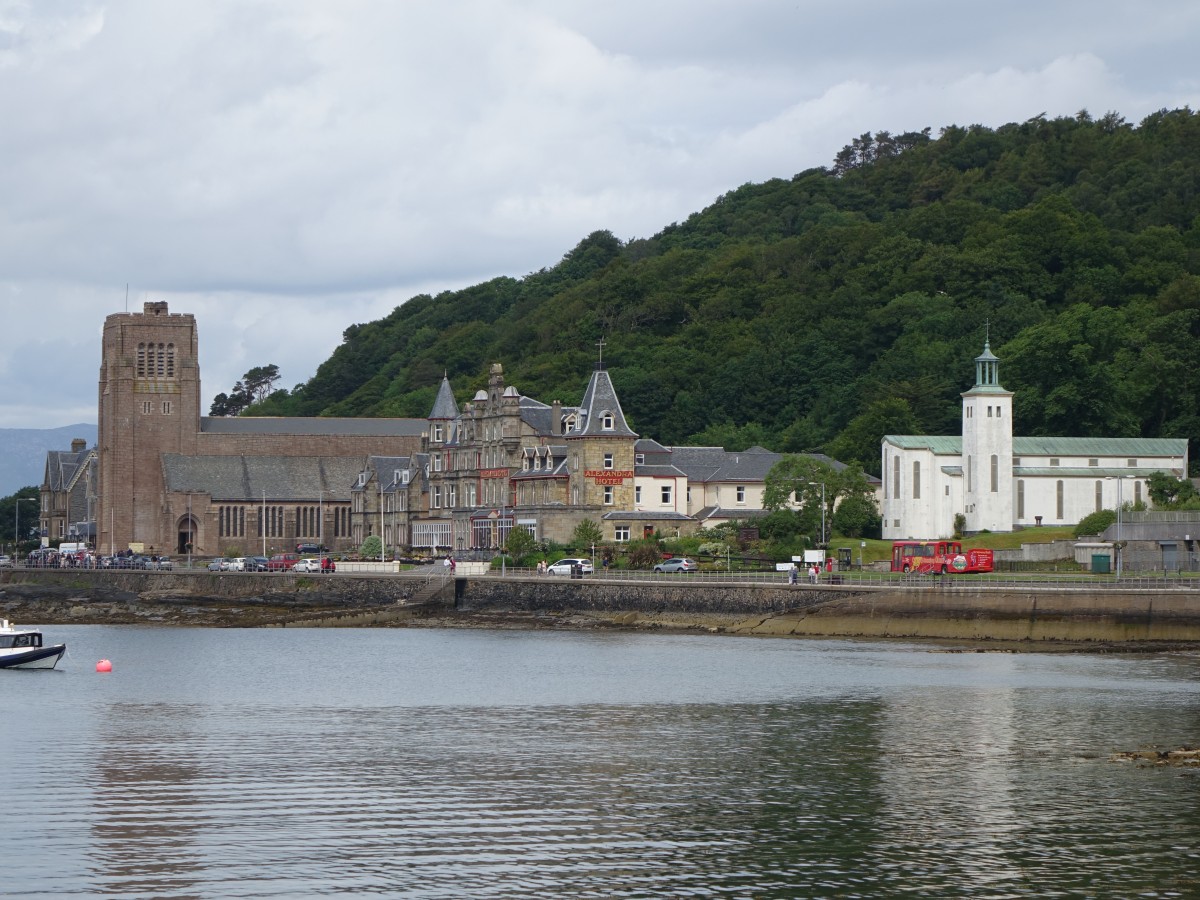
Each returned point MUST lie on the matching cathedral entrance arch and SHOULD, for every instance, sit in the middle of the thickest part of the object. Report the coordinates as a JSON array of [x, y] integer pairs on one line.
[[188, 535]]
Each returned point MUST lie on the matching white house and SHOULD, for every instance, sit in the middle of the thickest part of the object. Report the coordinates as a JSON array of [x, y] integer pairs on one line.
[[1002, 483]]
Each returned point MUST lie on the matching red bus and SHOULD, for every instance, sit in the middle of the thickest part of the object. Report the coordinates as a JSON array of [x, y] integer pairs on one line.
[[940, 557]]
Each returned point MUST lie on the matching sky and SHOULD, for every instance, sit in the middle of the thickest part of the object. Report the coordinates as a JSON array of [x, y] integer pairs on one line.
[[283, 169]]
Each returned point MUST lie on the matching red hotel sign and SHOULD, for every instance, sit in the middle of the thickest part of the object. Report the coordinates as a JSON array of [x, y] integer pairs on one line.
[[609, 476], [493, 473]]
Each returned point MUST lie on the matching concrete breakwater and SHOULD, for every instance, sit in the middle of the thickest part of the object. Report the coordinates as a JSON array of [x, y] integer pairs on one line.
[[958, 610]]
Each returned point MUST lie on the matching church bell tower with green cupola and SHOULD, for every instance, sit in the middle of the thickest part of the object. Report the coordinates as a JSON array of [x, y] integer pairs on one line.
[[987, 442]]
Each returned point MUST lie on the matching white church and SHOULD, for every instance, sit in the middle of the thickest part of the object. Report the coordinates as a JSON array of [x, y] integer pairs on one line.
[[1003, 483]]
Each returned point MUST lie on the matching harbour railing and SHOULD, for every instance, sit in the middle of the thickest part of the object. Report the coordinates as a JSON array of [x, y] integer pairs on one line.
[[1150, 581]]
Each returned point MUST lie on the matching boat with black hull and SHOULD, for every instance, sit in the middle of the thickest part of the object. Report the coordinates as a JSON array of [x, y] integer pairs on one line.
[[22, 648]]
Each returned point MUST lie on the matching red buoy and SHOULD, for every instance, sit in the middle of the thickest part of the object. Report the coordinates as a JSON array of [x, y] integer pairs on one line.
[[104, 666]]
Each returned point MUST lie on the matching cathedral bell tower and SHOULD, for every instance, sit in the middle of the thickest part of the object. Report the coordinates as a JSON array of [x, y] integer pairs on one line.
[[149, 405], [987, 442]]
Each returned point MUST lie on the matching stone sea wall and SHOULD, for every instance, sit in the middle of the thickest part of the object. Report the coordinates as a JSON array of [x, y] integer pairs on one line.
[[955, 610], [935, 611]]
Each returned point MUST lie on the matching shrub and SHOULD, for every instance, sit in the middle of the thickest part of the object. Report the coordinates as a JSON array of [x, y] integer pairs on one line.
[[645, 554], [1096, 523]]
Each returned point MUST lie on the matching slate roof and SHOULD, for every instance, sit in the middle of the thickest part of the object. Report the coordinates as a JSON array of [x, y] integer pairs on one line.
[[644, 515], [245, 478], [444, 406], [384, 469], [948, 445], [318, 425], [600, 398], [719, 512], [658, 471], [63, 466]]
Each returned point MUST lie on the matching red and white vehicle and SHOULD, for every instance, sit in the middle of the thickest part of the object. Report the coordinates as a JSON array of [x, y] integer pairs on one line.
[[939, 557]]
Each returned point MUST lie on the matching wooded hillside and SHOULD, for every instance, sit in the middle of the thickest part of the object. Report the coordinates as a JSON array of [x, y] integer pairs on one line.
[[822, 311]]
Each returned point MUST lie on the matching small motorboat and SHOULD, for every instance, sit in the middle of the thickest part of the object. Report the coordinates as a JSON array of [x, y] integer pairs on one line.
[[22, 649]]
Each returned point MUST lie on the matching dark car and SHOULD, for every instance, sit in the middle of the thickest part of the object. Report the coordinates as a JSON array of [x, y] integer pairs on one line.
[[256, 563]]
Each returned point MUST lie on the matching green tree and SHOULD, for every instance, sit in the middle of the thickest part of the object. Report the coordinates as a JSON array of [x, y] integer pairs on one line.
[[372, 547], [520, 542], [860, 440], [255, 386], [1169, 492], [28, 499], [587, 533]]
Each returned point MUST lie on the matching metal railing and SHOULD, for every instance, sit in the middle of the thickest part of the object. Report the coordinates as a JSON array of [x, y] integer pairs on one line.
[[1007, 580], [891, 580]]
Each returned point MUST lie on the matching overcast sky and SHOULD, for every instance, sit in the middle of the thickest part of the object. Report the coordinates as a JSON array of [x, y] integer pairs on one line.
[[285, 169]]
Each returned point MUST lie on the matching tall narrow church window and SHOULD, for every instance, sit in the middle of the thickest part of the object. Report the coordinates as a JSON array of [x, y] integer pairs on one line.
[[1099, 496], [170, 360], [970, 476], [1137, 492], [1058, 511], [995, 473], [1020, 499], [141, 360], [916, 479], [896, 477]]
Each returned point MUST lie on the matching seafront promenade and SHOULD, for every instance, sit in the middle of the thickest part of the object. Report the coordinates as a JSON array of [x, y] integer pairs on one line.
[[1132, 610]]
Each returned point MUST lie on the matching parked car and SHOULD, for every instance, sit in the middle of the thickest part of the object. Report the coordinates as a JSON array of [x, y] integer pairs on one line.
[[237, 564], [328, 566], [6, 562], [162, 563], [282, 562], [218, 565], [308, 564], [564, 566], [257, 564], [677, 564]]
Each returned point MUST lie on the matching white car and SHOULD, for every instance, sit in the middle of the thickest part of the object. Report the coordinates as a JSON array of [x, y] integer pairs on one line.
[[308, 564], [564, 567], [237, 564]]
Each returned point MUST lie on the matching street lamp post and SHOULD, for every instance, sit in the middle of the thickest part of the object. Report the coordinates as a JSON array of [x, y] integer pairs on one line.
[[191, 536], [822, 484], [1120, 501], [17, 524]]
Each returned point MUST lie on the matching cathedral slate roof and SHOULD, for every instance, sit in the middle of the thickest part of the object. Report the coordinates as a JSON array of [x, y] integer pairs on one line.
[[246, 478], [315, 425]]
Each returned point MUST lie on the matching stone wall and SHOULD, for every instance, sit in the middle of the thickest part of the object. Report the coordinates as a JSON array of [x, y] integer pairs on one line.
[[968, 612]]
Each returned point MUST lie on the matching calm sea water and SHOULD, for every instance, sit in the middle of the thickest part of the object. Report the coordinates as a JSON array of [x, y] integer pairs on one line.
[[423, 763]]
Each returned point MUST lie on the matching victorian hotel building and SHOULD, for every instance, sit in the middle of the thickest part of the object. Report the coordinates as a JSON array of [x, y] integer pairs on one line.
[[171, 480]]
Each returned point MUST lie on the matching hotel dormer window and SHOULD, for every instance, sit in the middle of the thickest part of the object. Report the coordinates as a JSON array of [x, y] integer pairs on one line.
[[607, 421], [437, 433]]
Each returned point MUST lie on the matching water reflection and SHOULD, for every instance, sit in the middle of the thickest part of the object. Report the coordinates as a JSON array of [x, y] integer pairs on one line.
[[821, 770]]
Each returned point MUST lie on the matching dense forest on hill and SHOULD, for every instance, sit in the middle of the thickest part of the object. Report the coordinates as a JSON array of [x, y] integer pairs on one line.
[[823, 311]]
